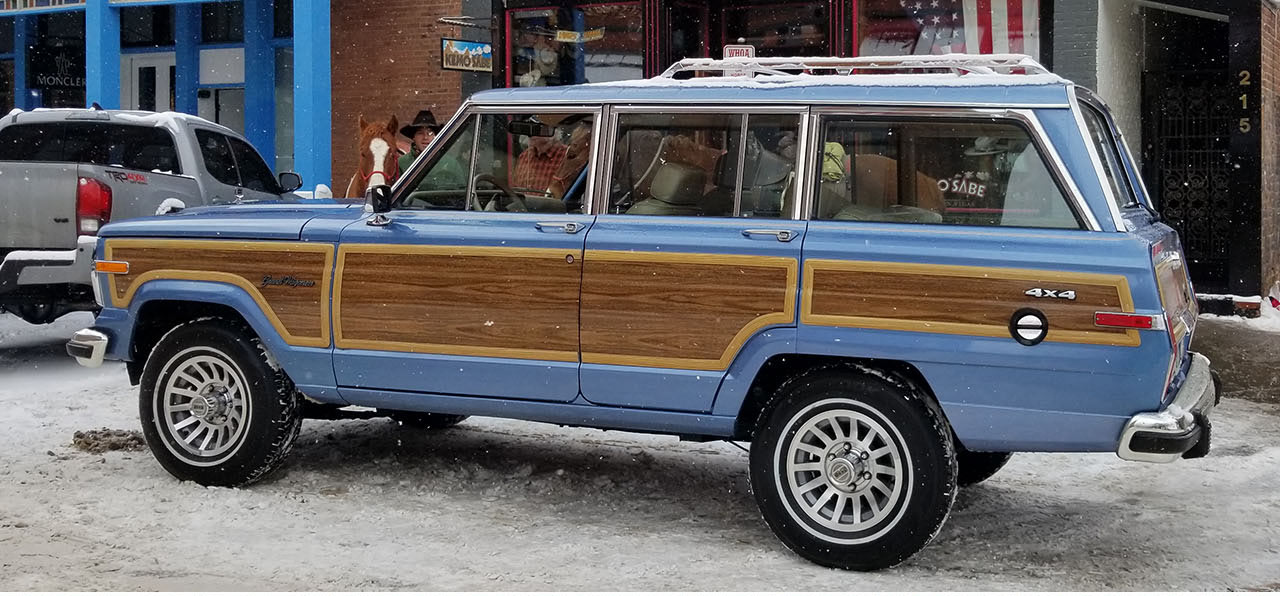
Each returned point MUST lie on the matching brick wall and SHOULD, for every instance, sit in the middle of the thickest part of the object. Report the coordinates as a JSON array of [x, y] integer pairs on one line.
[[1270, 131], [386, 60], [1075, 42]]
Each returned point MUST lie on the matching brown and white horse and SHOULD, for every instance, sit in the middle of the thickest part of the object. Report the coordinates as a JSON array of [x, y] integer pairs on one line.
[[379, 161]]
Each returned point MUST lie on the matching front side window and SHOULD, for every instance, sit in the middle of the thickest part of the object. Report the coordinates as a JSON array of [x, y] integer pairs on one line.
[[937, 172], [699, 165], [254, 173], [217, 157]]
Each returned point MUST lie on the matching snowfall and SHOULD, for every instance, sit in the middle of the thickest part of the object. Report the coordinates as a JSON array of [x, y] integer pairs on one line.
[[505, 505]]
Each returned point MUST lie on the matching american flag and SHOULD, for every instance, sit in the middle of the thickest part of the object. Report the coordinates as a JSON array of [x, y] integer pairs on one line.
[[897, 27]]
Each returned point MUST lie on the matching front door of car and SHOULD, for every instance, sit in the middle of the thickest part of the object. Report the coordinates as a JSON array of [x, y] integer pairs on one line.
[[694, 262], [236, 172], [472, 287]]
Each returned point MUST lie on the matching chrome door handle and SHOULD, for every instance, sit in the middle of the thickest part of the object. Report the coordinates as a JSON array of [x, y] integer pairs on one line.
[[781, 235], [569, 227]]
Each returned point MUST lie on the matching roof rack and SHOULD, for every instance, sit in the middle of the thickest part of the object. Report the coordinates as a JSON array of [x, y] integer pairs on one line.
[[956, 63]]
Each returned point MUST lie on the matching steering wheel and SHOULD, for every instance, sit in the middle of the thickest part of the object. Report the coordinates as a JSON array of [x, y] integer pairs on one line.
[[516, 198]]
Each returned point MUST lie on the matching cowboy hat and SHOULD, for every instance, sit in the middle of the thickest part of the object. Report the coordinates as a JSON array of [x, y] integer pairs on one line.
[[424, 119]]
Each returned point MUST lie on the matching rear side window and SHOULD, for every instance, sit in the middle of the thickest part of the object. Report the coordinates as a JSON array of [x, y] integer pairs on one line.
[[937, 172], [254, 173], [217, 157], [1105, 145], [31, 142]]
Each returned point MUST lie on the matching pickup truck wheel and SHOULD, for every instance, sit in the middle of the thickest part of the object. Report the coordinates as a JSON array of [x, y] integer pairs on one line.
[[426, 420], [853, 470], [973, 467], [214, 410]]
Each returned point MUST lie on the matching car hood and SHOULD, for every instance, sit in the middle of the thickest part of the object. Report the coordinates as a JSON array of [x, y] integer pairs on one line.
[[255, 221]]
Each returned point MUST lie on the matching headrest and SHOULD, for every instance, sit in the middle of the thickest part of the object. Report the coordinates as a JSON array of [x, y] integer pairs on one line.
[[678, 184]]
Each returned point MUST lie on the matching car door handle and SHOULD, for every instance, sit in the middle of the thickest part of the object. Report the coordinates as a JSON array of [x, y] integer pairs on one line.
[[781, 235], [568, 227]]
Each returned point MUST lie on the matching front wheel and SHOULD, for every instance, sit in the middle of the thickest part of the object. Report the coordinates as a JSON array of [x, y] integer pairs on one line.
[[853, 470], [214, 410]]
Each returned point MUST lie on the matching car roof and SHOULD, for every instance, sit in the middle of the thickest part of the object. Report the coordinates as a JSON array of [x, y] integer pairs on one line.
[[175, 121]]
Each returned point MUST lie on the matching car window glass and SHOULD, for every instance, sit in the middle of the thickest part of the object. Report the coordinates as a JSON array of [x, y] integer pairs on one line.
[[768, 172], [675, 164], [1104, 144], [937, 172], [254, 173], [442, 184], [31, 142], [528, 162], [145, 148], [217, 157]]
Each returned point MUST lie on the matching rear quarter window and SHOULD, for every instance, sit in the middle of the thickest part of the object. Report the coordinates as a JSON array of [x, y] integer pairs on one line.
[[31, 142]]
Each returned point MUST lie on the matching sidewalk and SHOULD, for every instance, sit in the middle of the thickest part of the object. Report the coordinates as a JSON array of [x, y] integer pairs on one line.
[[1247, 358]]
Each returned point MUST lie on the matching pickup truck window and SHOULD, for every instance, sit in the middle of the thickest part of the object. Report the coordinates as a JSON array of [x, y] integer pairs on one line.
[[144, 148], [937, 172], [31, 142], [217, 157], [254, 173]]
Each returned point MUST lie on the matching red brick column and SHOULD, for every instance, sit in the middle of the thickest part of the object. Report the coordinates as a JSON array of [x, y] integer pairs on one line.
[[1270, 202], [386, 60]]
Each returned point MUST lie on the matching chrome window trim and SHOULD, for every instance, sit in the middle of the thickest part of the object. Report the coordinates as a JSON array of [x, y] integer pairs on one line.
[[1027, 118], [726, 108], [806, 147], [783, 104], [1135, 181], [1112, 205], [742, 163]]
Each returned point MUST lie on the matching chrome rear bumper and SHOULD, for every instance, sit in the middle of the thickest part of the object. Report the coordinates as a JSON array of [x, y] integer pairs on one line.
[[88, 346], [1179, 430]]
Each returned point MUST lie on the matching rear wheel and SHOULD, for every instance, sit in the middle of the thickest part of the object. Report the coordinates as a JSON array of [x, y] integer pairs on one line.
[[852, 470], [973, 467], [214, 411]]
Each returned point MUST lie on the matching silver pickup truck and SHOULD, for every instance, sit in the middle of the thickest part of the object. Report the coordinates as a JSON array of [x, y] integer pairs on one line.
[[64, 173]]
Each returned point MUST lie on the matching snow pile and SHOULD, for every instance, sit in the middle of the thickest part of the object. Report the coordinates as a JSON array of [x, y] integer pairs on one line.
[[1268, 318]]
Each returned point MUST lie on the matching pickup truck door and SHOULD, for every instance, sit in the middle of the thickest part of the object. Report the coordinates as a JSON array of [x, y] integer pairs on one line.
[[460, 293], [236, 173]]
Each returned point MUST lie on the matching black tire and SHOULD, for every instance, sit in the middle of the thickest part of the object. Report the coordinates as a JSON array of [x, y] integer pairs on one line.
[[426, 420], [973, 467], [911, 438], [246, 412]]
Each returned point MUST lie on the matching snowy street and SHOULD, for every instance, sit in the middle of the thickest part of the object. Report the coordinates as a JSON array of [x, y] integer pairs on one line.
[[505, 505]]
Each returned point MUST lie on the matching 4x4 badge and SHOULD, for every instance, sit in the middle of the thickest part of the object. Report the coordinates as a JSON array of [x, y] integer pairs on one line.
[[1043, 293]]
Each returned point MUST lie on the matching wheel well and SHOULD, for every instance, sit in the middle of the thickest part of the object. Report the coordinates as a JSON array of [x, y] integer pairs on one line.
[[778, 369], [157, 317]]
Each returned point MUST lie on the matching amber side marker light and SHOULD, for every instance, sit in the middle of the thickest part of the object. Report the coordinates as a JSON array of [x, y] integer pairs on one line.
[[1123, 320], [119, 267]]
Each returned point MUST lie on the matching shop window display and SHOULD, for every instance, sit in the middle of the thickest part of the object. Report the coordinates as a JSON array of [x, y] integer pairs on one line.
[[588, 44], [779, 30], [920, 27]]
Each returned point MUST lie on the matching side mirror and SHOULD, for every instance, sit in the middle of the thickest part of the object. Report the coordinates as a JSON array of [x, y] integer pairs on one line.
[[378, 200], [289, 181]]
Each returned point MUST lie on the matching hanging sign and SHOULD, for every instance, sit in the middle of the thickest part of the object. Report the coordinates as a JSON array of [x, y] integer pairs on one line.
[[565, 36], [459, 54]]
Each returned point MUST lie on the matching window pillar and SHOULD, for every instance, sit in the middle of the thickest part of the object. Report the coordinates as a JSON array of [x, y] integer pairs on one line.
[[260, 78], [102, 54], [312, 122], [186, 40]]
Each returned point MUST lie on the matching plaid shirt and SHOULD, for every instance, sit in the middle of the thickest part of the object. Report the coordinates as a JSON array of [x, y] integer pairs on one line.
[[534, 171]]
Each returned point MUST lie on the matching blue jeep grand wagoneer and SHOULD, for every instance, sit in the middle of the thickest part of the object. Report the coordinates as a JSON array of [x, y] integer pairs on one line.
[[887, 275]]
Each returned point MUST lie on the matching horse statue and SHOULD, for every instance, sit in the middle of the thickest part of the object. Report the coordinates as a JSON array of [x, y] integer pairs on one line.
[[379, 160]]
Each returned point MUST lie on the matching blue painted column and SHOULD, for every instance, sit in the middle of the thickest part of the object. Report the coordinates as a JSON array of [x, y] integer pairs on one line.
[[260, 79], [23, 35], [186, 38], [101, 54], [312, 122]]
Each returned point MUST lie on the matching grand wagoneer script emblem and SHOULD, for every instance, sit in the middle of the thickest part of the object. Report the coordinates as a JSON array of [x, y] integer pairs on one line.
[[286, 280]]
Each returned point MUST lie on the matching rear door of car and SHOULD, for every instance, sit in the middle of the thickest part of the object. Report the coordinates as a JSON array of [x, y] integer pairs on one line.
[[693, 260], [37, 187]]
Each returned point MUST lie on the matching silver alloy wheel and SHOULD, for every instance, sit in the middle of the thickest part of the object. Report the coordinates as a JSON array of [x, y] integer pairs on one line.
[[202, 409], [845, 470]]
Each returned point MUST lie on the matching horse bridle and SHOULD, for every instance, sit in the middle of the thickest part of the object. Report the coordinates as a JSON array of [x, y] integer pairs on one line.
[[395, 170]]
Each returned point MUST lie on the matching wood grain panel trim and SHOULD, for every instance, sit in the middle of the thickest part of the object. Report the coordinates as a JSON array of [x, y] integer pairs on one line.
[[483, 301], [959, 299], [703, 334], [299, 314]]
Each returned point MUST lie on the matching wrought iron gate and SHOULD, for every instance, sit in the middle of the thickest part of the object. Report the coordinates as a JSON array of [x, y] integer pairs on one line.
[[1187, 157]]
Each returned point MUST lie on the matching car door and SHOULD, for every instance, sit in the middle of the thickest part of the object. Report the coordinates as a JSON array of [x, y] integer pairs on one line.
[[236, 172], [693, 261], [472, 287]]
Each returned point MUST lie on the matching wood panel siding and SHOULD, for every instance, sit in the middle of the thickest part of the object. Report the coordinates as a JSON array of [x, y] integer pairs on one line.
[[960, 300], [288, 280], [469, 301], [680, 310]]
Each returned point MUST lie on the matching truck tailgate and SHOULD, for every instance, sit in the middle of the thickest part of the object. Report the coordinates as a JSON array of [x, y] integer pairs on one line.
[[37, 205], [135, 193]]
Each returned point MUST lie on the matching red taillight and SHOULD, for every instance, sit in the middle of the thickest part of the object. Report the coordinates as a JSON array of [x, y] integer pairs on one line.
[[1124, 320], [93, 205]]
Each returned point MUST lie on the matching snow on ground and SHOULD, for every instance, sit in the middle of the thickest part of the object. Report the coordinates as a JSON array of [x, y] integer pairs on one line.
[[1268, 318], [506, 505]]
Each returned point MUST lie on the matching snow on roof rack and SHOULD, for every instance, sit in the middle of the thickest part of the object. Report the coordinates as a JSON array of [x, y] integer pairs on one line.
[[957, 63]]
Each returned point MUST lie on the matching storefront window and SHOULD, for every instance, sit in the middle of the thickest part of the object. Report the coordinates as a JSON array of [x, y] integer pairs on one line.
[[284, 110], [897, 28], [779, 29], [6, 35], [56, 62], [689, 30], [6, 85], [590, 44], [283, 18], [144, 26], [222, 22]]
